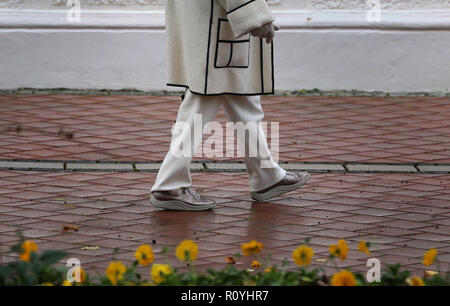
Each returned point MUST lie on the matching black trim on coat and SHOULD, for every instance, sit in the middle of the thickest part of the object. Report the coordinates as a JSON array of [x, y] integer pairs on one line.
[[240, 6], [231, 45], [231, 56], [262, 63], [273, 66], [235, 41], [209, 46]]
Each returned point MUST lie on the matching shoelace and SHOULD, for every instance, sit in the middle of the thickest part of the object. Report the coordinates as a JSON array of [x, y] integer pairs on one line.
[[191, 192]]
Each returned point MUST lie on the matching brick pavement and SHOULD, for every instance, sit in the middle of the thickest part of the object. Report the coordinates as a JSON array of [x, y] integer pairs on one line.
[[124, 128], [401, 214]]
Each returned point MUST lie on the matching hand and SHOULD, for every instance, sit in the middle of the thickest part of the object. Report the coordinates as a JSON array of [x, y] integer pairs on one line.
[[267, 31]]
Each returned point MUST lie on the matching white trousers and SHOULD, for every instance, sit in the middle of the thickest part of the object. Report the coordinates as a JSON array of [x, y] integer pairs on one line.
[[174, 172]]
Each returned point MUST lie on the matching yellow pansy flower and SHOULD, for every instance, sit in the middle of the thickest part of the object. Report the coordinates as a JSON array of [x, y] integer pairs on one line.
[[268, 269], [343, 278], [144, 255], [334, 250], [82, 275], [303, 255], [340, 250], [115, 271], [343, 248], [256, 264], [363, 247], [159, 272], [187, 250], [429, 257], [28, 247], [415, 281], [252, 247], [66, 283]]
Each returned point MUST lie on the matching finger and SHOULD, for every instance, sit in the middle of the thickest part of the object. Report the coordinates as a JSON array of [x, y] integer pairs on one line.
[[270, 37], [256, 33]]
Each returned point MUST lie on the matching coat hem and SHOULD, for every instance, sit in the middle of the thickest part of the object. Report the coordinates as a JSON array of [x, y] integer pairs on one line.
[[222, 93]]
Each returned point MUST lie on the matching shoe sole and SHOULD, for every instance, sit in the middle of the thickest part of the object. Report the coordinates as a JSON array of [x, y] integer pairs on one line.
[[179, 205], [280, 190]]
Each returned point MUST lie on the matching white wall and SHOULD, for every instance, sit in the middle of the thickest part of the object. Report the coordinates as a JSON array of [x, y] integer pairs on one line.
[[324, 44]]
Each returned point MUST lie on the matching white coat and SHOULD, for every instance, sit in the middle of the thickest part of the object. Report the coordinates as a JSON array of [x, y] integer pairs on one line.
[[211, 51]]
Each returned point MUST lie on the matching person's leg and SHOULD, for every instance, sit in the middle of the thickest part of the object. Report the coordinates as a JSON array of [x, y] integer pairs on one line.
[[263, 172], [174, 172], [265, 182]]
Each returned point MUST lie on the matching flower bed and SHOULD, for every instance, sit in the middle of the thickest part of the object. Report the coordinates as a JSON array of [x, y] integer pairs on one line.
[[32, 268]]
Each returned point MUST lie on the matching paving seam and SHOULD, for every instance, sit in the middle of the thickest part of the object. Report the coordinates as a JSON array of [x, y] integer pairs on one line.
[[222, 166]]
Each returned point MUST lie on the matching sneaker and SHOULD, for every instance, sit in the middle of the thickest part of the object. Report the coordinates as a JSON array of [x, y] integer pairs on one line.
[[184, 199], [291, 181]]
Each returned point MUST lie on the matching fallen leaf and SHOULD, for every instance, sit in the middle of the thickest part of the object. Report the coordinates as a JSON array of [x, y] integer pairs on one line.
[[90, 248], [429, 273], [321, 259], [69, 227], [231, 260], [58, 199]]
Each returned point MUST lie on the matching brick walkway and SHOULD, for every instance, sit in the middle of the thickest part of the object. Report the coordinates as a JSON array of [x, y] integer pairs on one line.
[[401, 214], [123, 128]]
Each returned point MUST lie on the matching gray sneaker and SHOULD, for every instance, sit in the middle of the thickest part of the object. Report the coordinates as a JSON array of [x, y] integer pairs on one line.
[[291, 181], [184, 199]]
